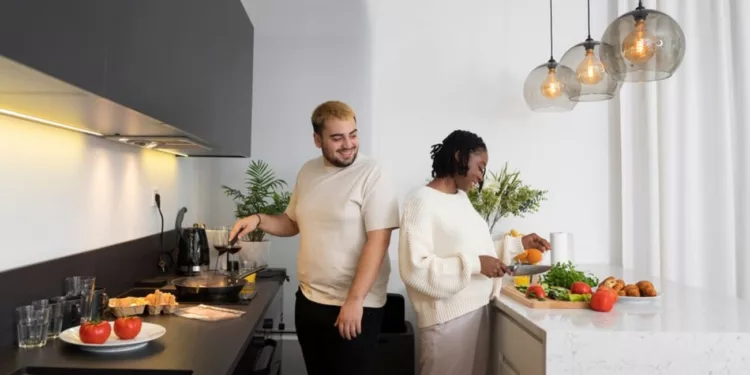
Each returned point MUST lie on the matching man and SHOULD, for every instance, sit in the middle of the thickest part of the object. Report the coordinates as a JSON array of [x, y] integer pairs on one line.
[[344, 209]]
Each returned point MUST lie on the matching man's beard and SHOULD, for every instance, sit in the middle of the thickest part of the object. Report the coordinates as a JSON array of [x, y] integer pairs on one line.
[[338, 163]]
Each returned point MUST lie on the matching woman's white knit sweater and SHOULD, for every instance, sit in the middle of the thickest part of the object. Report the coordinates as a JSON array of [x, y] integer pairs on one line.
[[440, 240]]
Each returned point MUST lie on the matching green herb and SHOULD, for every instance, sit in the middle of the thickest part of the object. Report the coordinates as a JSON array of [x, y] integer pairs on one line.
[[504, 194], [559, 293], [564, 275]]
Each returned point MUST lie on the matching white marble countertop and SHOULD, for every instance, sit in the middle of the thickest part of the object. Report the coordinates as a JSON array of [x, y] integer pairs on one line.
[[679, 309], [687, 331]]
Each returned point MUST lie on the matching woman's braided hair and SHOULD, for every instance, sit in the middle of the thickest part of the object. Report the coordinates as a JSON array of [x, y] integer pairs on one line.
[[444, 163]]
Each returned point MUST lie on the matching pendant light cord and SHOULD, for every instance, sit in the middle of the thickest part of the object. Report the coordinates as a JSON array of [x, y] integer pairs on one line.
[[588, 8], [551, 53]]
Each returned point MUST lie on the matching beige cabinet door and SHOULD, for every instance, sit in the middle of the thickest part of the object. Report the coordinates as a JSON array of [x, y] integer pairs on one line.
[[515, 350]]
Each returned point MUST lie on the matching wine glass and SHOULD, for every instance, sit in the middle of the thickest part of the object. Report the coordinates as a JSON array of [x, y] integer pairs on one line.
[[221, 243], [232, 248]]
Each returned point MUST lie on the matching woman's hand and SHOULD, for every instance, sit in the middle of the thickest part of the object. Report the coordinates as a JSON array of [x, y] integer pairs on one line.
[[533, 241], [492, 267]]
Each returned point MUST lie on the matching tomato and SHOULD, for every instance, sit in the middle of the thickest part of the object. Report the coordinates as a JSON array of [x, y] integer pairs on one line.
[[535, 291], [127, 328], [609, 290], [579, 287], [603, 300], [94, 332]]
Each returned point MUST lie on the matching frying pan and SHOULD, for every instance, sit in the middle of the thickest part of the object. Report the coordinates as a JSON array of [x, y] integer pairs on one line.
[[213, 285]]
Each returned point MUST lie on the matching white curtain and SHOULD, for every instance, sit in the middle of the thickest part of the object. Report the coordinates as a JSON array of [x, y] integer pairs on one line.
[[684, 165]]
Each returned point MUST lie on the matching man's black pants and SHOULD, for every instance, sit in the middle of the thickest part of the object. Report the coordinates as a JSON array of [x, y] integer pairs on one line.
[[324, 350]]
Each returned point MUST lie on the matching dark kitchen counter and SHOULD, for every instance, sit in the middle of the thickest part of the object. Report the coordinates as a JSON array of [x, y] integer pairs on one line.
[[205, 348]]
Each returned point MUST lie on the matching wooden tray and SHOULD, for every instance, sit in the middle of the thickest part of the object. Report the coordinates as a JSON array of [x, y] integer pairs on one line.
[[519, 297]]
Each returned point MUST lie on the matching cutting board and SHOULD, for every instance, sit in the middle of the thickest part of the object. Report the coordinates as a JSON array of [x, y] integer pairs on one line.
[[519, 297]]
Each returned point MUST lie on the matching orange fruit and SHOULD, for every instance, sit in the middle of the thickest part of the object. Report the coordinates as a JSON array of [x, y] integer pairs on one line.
[[533, 256], [521, 257]]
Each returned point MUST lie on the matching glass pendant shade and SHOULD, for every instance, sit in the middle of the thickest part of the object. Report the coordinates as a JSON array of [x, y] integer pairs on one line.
[[647, 45], [549, 87], [585, 60]]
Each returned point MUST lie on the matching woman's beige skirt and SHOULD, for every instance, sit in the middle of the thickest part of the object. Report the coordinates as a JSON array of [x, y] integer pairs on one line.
[[457, 347]]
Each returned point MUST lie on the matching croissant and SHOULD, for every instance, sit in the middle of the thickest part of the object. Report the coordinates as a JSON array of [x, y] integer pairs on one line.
[[646, 288], [632, 291], [619, 285], [609, 282]]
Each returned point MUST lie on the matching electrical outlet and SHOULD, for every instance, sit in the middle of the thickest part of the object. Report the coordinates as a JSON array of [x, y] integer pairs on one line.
[[153, 196]]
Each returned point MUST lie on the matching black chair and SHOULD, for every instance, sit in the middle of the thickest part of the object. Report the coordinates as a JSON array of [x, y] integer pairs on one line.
[[396, 346]]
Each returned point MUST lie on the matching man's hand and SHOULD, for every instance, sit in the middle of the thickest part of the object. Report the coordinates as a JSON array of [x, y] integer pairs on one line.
[[349, 321], [244, 226], [492, 267], [533, 241]]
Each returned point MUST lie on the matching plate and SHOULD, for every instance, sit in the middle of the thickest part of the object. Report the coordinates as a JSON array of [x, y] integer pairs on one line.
[[149, 332], [627, 299]]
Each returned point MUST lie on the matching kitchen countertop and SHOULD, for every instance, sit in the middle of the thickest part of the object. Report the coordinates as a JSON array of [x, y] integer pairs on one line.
[[689, 329], [206, 348]]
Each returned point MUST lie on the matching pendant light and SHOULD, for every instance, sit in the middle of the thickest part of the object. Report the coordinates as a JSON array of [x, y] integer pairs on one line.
[[585, 58], [549, 87], [647, 45]]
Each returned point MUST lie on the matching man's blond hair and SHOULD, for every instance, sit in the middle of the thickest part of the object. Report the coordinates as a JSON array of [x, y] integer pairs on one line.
[[331, 109]]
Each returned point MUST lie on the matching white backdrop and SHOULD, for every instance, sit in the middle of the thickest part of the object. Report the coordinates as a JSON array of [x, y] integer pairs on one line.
[[684, 164]]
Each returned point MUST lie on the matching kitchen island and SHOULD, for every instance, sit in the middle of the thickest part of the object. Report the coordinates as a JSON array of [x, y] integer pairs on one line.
[[188, 347], [687, 331]]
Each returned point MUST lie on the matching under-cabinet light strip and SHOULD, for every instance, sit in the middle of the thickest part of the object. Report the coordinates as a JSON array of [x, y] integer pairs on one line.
[[59, 125], [169, 152], [47, 122]]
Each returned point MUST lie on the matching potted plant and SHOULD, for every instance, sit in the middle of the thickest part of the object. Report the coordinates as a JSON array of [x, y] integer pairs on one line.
[[264, 194], [504, 194]]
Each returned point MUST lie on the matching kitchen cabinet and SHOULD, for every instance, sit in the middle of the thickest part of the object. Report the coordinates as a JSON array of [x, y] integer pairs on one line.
[[188, 63], [514, 350], [64, 39]]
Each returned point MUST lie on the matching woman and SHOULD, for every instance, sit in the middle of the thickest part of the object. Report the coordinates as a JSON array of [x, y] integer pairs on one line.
[[447, 260]]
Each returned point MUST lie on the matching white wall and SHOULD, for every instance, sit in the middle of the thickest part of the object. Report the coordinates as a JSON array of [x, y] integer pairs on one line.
[[443, 65], [64, 192], [464, 67], [414, 71]]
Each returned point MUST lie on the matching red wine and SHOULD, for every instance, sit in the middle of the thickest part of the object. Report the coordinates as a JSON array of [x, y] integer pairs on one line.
[[221, 249]]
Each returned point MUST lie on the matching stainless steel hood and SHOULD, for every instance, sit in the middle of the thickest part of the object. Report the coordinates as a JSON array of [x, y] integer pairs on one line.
[[32, 95]]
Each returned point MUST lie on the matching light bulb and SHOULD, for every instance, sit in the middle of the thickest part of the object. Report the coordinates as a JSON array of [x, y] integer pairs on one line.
[[551, 87], [591, 70], [639, 46]]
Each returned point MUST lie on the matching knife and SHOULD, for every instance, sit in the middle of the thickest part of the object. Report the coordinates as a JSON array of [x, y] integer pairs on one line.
[[527, 269]]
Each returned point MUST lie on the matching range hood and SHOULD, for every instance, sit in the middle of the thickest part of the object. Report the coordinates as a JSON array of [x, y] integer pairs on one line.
[[168, 75], [31, 95]]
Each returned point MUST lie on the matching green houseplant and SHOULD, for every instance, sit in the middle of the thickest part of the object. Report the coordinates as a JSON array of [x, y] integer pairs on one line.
[[504, 194], [265, 194]]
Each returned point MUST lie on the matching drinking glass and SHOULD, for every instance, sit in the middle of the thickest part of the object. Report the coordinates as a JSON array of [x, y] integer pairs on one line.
[[55, 318], [70, 310], [40, 304], [73, 286], [79, 285], [32, 324], [87, 298]]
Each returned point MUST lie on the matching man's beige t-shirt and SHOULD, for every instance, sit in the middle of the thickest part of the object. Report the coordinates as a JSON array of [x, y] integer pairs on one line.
[[334, 209]]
